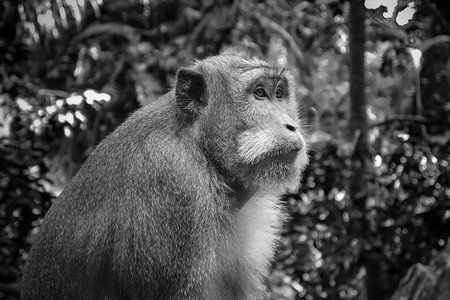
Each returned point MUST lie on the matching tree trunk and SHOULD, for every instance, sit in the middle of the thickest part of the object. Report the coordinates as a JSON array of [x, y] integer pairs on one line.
[[375, 281], [358, 119], [427, 282]]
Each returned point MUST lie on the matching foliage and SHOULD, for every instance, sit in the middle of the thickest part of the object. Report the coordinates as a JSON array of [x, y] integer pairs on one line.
[[427, 282], [73, 70], [407, 212]]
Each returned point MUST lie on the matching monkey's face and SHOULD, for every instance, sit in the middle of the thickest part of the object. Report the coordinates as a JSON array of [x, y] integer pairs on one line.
[[247, 119], [271, 149]]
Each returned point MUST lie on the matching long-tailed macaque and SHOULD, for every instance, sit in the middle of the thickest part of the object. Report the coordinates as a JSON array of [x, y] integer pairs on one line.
[[182, 200]]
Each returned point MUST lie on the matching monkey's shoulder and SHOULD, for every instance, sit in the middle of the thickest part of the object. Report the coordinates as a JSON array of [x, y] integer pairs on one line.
[[147, 149]]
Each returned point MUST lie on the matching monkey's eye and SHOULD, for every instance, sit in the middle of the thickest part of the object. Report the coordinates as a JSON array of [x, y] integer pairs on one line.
[[260, 93], [279, 93]]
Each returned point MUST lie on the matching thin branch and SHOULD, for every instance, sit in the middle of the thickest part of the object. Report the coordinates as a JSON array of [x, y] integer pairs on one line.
[[199, 28], [272, 25], [438, 15], [120, 29], [10, 288], [400, 118], [56, 93], [435, 40]]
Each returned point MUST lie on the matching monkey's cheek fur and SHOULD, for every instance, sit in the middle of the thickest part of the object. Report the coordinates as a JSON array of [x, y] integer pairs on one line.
[[302, 159], [278, 173], [293, 178]]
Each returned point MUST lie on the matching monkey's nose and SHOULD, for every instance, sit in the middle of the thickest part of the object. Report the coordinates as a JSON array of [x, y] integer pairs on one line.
[[291, 127], [293, 135]]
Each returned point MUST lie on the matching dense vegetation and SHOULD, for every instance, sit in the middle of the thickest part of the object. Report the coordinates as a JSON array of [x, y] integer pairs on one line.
[[70, 71]]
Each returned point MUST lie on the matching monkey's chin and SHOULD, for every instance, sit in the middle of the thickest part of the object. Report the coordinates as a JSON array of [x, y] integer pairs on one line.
[[297, 162], [280, 173]]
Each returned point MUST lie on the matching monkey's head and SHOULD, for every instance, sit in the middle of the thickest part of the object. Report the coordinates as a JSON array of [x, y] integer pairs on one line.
[[245, 116]]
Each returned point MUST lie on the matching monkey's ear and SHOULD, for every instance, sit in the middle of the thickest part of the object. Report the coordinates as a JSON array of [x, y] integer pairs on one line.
[[190, 91]]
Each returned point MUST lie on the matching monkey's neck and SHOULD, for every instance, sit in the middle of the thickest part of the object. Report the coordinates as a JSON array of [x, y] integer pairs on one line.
[[239, 193]]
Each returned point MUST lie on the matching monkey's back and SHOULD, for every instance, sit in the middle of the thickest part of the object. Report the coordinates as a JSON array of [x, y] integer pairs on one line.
[[182, 200], [113, 229]]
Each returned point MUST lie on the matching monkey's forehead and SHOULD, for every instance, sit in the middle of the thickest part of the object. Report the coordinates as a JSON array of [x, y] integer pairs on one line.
[[252, 76], [236, 62], [245, 70]]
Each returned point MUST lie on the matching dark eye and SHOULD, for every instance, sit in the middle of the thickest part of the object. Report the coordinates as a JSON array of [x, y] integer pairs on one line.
[[260, 92], [279, 93]]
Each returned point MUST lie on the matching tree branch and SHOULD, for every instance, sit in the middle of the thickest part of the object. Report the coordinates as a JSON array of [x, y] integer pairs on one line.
[[10, 288], [399, 118], [272, 25]]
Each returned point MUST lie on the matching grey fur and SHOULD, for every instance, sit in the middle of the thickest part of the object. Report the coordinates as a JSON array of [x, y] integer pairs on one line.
[[154, 211]]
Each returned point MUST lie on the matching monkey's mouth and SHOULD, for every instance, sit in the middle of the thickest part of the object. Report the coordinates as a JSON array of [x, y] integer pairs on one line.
[[287, 153]]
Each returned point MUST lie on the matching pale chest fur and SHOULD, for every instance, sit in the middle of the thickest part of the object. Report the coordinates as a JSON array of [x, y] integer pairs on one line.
[[245, 256], [259, 222]]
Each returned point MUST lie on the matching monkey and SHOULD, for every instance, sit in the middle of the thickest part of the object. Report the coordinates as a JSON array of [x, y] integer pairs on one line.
[[182, 200]]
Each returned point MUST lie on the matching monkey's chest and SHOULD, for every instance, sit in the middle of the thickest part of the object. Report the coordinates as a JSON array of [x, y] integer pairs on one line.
[[259, 222]]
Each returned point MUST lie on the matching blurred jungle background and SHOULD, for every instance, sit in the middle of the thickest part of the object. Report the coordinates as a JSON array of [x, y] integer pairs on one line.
[[375, 78]]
